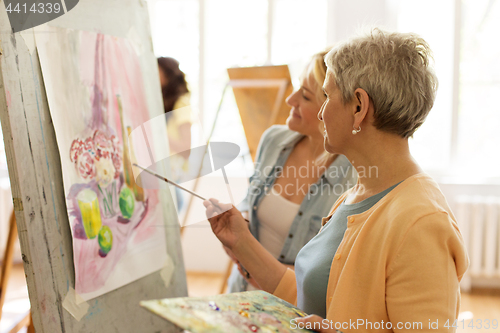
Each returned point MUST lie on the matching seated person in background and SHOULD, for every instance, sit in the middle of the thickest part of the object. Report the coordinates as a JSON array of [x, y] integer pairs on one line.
[[295, 181], [390, 252], [176, 97]]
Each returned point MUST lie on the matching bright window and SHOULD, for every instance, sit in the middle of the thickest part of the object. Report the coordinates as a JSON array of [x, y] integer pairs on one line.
[[431, 143], [299, 31], [175, 30], [460, 138], [479, 113], [234, 33]]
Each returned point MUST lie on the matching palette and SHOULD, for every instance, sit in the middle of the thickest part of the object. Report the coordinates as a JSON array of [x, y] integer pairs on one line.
[[245, 312]]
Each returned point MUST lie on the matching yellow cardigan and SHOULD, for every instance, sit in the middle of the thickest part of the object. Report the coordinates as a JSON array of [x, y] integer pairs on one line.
[[400, 261]]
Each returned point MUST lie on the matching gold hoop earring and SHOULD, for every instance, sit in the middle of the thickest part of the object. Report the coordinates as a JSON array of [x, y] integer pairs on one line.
[[356, 131]]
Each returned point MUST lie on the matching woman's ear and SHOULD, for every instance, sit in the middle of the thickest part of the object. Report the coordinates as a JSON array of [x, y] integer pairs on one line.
[[361, 105]]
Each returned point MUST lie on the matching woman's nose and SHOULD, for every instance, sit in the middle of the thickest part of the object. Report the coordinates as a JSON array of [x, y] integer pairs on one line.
[[291, 100], [320, 113]]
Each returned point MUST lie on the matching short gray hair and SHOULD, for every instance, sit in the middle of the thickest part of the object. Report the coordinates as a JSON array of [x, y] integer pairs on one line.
[[396, 72]]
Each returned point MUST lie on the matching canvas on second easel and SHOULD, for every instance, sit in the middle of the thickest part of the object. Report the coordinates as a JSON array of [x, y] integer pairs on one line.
[[260, 94]]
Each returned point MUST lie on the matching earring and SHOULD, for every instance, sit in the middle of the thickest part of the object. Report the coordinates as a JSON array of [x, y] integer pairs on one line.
[[356, 131]]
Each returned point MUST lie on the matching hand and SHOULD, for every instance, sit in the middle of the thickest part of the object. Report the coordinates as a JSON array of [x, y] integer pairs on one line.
[[309, 321], [227, 223]]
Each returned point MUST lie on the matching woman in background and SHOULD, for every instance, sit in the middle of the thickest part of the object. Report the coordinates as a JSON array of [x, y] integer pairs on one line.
[[176, 97], [295, 181], [390, 253]]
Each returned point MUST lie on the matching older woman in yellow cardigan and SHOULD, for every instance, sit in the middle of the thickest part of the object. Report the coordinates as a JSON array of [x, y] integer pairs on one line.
[[390, 256]]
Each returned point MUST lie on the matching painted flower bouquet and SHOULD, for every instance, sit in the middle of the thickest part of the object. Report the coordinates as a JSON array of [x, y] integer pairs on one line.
[[99, 156], [98, 161]]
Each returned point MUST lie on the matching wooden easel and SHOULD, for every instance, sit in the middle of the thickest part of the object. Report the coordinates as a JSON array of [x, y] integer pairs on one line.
[[260, 94], [36, 177], [7, 263]]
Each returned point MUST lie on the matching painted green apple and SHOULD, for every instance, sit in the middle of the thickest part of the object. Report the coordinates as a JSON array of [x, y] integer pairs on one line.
[[105, 239], [127, 202]]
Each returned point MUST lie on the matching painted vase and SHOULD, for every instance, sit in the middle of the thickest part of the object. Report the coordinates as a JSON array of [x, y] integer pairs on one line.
[[91, 214], [109, 199]]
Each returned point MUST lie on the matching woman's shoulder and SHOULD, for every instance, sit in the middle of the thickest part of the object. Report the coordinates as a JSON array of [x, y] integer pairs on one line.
[[278, 133], [274, 138], [422, 192], [416, 211], [183, 101], [416, 198], [422, 219]]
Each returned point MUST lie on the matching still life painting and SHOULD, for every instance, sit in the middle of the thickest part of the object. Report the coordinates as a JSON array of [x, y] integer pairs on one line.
[[95, 92], [244, 312]]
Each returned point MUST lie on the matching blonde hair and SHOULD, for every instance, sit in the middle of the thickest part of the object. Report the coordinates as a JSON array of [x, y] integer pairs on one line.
[[396, 72], [318, 68]]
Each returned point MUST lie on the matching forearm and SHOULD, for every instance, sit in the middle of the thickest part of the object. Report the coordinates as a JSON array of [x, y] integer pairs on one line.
[[266, 270]]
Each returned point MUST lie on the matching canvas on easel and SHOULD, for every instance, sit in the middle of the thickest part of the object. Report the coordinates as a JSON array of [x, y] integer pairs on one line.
[[94, 105], [260, 94]]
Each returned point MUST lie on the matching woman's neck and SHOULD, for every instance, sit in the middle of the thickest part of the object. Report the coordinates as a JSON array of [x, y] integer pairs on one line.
[[381, 164], [313, 145]]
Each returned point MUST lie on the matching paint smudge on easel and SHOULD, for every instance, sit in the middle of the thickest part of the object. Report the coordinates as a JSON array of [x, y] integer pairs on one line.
[[8, 98]]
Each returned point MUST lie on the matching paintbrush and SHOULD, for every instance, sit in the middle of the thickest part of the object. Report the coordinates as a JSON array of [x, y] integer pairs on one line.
[[179, 186], [193, 193]]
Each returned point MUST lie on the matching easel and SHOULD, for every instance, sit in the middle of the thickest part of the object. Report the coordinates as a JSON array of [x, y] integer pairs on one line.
[[7, 263], [256, 90], [35, 172]]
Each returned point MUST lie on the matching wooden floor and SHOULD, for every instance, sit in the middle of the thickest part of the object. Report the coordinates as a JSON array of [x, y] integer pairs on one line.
[[481, 307], [17, 303], [478, 306], [203, 284]]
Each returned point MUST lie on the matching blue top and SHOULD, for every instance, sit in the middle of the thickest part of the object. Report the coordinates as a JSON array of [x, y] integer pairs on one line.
[[314, 261], [275, 146]]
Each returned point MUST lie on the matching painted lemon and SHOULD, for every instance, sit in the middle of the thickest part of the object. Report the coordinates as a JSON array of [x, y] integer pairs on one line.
[[127, 202], [105, 239]]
